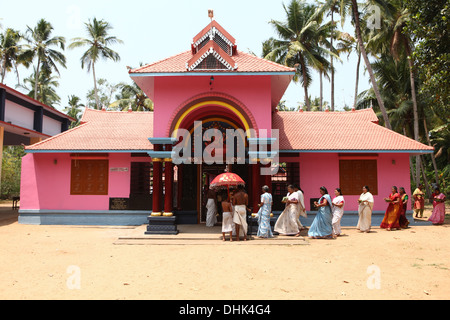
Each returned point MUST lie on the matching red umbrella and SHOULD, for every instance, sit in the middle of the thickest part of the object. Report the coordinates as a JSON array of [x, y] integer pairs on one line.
[[227, 179]]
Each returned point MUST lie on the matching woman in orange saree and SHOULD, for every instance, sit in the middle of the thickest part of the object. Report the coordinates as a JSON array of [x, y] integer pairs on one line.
[[392, 215]]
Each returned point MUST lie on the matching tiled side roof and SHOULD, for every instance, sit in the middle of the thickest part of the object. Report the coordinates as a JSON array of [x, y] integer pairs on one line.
[[104, 130], [339, 131], [245, 63], [303, 131]]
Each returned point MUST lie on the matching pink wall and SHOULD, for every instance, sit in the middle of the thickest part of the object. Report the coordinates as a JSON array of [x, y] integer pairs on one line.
[[171, 92], [322, 169], [45, 183]]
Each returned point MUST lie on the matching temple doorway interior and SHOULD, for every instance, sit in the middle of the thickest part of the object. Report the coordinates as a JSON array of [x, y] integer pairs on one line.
[[207, 174]]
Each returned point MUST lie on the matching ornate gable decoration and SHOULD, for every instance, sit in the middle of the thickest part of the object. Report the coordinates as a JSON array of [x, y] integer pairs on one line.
[[213, 49]]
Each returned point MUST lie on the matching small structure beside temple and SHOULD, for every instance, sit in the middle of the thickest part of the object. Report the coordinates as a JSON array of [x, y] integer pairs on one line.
[[118, 168]]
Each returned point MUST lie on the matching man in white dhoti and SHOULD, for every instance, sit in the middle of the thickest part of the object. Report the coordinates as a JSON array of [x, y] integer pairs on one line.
[[211, 214], [240, 202], [227, 217]]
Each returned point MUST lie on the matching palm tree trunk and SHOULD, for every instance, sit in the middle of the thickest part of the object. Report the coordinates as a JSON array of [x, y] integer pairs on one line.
[[415, 112], [321, 90], [433, 158], [95, 87], [368, 66], [357, 79], [305, 84], [36, 81], [3, 70], [331, 63]]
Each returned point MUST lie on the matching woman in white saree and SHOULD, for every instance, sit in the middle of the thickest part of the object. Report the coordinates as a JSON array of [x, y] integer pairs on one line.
[[287, 221], [365, 210]]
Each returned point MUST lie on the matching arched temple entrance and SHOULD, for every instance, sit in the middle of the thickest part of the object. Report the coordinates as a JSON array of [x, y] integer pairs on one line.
[[220, 127]]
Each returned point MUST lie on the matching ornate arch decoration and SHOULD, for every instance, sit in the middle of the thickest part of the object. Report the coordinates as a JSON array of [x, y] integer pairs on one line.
[[210, 104]]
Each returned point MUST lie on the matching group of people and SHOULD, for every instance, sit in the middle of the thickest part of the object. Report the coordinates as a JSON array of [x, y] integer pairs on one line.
[[327, 222]]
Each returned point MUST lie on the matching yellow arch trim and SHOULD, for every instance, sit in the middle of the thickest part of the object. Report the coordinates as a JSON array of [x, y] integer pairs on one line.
[[213, 119], [218, 103]]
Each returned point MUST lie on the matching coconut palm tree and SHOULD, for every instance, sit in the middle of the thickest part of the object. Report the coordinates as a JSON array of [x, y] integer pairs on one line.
[[46, 87], [298, 46], [11, 53], [362, 49], [392, 39], [98, 42], [41, 45], [74, 109], [343, 6], [132, 97]]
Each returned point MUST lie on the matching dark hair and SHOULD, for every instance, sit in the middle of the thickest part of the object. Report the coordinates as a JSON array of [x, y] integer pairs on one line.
[[401, 188], [367, 187], [291, 186], [437, 188], [339, 190], [395, 187], [324, 189]]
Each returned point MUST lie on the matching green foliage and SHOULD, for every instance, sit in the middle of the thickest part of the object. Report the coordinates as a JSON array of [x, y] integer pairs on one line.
[[430, 30], [11, 168]]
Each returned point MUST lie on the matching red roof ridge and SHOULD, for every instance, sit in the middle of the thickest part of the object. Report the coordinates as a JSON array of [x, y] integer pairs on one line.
[[265, 60]]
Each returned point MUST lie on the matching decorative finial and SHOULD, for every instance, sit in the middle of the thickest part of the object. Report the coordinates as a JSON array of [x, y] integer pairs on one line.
[[211, 14]]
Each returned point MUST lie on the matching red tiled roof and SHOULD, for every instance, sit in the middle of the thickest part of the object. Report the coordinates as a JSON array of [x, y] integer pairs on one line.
[[303, 131], [245, 63], [103, 131], [339, 131], [216, 25]]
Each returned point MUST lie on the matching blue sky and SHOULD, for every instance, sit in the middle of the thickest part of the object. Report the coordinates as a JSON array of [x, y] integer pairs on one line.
[[154, 30]]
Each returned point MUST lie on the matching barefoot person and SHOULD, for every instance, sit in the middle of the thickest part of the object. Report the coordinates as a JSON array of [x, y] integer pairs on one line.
[[240, 202], [322, 227], [438, 214], [419, 201], [211, 214], [288, 223], [265, 208], [227, 217], [392, 215], [338, 211], [365, 210]]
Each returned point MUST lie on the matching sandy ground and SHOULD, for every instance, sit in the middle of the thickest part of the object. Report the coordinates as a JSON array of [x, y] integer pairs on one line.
[[62, 262]]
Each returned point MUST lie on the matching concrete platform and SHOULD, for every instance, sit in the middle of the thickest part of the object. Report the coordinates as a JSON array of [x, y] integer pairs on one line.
[[201, 235]]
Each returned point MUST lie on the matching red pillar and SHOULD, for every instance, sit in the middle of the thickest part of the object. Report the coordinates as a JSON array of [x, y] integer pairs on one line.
[[168, 197], [157, 183]]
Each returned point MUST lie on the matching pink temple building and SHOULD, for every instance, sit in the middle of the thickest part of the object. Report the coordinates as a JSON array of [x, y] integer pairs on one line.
[[117, 168]]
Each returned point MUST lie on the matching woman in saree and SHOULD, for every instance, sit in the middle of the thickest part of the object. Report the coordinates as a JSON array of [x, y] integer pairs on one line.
[[321, 228], [338, 211], [264, 230], [365, 210], [403, 220], [287, 221], [392, 215], [438, 213]]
